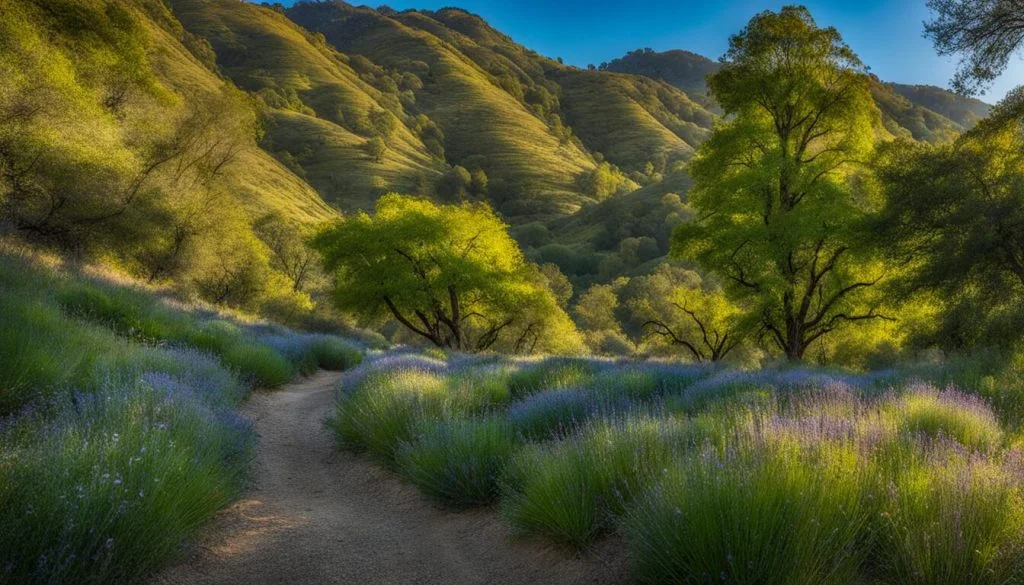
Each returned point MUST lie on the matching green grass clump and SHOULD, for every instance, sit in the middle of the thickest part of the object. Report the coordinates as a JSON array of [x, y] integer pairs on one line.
[[765, 515], [549, 374], [384, 410], [264, 366], [127, 311], [953, 519], [105, 487], [268, 363], [950, 413], [458, 462], [43, 352], [335, 354], [572, 491]]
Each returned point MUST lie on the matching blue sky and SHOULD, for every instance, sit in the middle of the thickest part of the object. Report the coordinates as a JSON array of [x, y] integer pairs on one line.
[[887, 34]]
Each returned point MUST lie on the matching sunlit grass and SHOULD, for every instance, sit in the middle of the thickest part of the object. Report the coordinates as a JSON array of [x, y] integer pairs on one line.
[[774, 476]]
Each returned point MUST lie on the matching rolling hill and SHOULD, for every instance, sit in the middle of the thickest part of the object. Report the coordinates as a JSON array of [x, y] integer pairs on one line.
[[919, 112], [352, 102], [318, 108]]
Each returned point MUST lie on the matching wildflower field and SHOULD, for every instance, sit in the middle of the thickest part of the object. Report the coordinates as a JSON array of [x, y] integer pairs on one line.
[[711, 475], [118, 435]]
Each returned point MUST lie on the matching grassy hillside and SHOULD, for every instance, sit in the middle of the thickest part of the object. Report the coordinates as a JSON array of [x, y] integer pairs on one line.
[[531, 169], [963, 110], [260, 182], [118, 140], [632, 120], [924, 113], [678, 68], [319, 109]]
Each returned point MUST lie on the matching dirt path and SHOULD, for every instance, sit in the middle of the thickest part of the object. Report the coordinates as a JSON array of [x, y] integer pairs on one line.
[[315, 515]]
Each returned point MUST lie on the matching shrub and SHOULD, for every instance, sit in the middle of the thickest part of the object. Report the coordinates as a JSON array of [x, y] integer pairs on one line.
[[385, 408], [552, 413], [336, 354], [458, 462], [953, 518], [264, 366]]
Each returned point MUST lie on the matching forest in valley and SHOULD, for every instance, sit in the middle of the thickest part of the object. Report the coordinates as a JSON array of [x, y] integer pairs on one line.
[[755, 320]]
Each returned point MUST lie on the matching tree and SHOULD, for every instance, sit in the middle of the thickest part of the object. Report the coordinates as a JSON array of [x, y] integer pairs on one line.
[[289, 253], [375, 148], [779, 220], [558, 283], [450, 274], [455, 185], [382, 122], [954, 216], [596, 314], [986, 33]]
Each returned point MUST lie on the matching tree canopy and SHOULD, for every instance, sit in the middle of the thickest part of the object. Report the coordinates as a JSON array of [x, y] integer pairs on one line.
[[450, 274], [779, 218], [954, 216]]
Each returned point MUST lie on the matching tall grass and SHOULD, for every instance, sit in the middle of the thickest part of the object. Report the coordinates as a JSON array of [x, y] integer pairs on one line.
[[790, 476], [117, 430], [573, 490], [459, 461], [106, 485]]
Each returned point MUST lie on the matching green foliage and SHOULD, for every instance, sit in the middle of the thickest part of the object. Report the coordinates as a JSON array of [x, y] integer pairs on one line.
[[925, 411], [550, 373], [780, 215], [975, 185], [677, 308], [450, 274], [976, 499], [335, 354], [113, 486]]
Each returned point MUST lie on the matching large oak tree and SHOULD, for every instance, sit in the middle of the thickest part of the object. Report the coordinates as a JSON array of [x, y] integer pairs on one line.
[[450, 274], [779, 218]]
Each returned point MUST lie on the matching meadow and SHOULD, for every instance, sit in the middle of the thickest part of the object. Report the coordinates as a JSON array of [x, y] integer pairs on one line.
[[118, 430], [710, 474]]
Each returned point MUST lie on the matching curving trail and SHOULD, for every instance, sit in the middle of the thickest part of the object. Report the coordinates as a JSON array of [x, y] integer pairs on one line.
[[314, 515]]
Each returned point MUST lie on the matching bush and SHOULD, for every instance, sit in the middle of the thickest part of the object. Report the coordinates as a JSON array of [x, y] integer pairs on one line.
[[553, 413], [335, 354], [384, 410], [952, 519], [951, 413], [259, 363], [458, 462]]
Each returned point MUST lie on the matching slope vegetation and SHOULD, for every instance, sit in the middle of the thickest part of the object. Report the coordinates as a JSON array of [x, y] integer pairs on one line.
[[321, 115]]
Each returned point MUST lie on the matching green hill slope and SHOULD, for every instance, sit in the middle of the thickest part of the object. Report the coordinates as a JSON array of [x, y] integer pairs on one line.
[[532, 170], [963, 110], [632, 120], [320, 111], [920, 112]]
